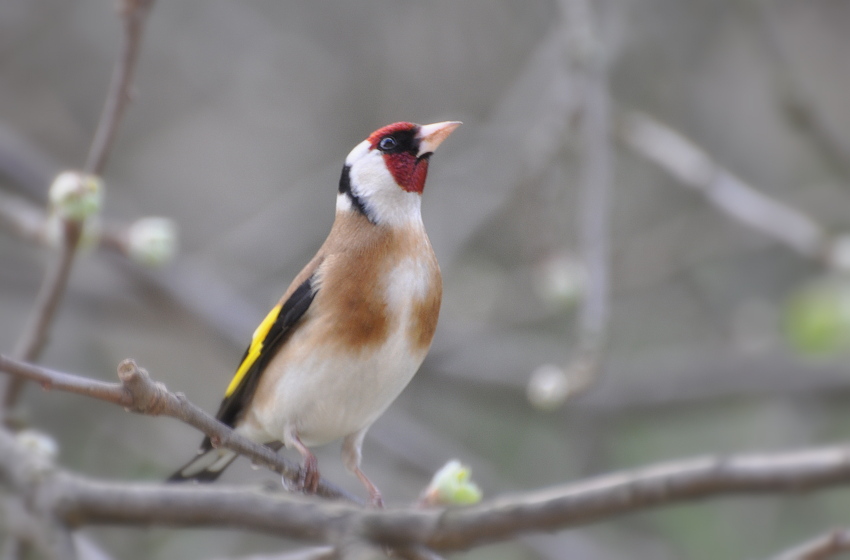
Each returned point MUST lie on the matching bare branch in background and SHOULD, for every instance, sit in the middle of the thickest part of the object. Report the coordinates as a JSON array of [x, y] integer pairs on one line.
[[134, 14], [596, 169], [799, 108], [696, 169], [669, 378], [825, 546], [25, 164], [22, 218], [137, 392], [31, 342]]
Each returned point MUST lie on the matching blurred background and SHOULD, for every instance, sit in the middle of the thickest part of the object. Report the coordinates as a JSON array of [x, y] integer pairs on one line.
[[721, 337]]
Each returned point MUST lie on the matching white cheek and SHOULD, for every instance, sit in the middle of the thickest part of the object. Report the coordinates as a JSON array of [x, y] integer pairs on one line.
[[371, 182], [369, 175]]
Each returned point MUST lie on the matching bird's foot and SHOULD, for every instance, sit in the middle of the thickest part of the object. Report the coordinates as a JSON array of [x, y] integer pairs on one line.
[[308, 476], [375, 499]]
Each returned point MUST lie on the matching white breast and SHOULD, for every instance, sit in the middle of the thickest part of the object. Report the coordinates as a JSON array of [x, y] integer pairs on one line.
[[326, 396]]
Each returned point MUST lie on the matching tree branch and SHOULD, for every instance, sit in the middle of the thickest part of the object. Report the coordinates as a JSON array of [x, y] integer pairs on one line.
[[77, 501], [137, 392], [824, 546]]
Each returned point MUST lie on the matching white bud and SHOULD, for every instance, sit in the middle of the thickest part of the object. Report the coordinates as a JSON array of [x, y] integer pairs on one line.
[[41, 446], [559, 280], [548, 387], [75, 195], [152, 241]]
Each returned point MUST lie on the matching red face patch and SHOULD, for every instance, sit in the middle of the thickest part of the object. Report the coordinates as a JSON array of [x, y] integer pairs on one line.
[[408, 170], [400, 157]]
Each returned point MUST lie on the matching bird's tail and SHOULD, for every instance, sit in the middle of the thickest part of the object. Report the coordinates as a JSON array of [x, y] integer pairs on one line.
[[206, 466]]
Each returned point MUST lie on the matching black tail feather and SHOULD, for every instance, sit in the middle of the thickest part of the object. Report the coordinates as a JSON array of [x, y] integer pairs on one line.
[[206, 466]]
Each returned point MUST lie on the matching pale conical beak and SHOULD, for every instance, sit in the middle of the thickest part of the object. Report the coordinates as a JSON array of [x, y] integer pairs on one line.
[[432, 135]]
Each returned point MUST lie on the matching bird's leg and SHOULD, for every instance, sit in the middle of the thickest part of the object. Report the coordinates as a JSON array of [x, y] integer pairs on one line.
[[351, 457], [308, 478]]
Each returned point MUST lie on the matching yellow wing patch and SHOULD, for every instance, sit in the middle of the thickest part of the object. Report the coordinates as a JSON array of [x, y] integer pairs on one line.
[[254, 350]]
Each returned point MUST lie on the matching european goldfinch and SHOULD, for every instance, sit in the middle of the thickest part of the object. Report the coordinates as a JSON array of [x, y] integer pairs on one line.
[[356, 323]]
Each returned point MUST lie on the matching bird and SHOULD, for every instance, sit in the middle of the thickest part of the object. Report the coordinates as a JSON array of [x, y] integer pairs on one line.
[[355, 324]]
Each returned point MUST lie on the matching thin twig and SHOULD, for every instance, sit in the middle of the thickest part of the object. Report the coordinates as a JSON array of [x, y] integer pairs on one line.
[[30, 222], [694, 168], [22, 218], [134, 14], [34, 337], [137, 392], [796, 103], [679, 377], [822, 547], [596, 168]]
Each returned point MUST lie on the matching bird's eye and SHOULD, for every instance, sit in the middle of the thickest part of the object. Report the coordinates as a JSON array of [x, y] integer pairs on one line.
[[387, 143]]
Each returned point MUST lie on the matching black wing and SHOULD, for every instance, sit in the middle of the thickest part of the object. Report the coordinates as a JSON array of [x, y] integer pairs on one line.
[[261, 350]]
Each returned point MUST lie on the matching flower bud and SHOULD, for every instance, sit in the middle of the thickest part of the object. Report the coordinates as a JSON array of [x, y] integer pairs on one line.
[[41, 447], [152, 241], [451, 485], [75, 195], [559, 280], [548, 387]]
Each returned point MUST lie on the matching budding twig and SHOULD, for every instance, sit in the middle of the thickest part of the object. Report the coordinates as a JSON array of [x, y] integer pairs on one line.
[[137, 392], [34, 337]]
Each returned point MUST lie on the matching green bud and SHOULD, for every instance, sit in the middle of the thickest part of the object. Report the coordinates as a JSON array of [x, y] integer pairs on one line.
[[452, 485], [817, 318]]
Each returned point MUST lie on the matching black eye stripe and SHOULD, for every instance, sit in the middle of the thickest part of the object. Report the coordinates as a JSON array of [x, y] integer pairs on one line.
[[399, 142]]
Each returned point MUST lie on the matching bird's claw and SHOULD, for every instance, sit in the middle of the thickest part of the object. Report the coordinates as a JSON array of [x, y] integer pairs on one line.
[[376, 501], [308, 476]]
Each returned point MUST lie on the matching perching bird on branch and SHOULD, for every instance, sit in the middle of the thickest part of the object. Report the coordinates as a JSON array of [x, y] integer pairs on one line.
[[356, 323]]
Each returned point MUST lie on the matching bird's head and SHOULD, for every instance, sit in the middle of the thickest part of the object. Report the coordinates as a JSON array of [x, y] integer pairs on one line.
[[384, 175]]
